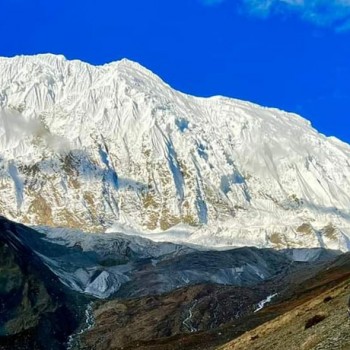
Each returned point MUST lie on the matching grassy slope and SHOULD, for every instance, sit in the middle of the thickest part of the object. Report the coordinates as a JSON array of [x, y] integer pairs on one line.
[[325, 295]]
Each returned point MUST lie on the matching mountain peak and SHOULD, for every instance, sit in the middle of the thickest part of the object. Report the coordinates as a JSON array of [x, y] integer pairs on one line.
[[88, 147]]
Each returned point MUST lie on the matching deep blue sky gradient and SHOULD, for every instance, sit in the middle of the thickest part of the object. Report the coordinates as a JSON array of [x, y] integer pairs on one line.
[[280, 61]]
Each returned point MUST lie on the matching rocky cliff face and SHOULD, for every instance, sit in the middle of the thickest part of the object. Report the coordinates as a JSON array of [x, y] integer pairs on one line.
[[35, 309], [91, 147]]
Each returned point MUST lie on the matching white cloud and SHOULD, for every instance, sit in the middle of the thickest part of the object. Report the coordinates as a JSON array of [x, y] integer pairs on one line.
[[324, 13], [14, 127]]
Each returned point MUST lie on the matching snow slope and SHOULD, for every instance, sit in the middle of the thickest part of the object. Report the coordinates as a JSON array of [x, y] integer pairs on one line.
[[114, 146]]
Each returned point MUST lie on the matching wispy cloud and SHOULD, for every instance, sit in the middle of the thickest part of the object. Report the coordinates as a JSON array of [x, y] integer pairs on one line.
[[211, 2], [323, 13], [14, 127]]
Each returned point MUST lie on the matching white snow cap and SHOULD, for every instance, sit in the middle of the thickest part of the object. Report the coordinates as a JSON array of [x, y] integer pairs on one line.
[[91, 147]]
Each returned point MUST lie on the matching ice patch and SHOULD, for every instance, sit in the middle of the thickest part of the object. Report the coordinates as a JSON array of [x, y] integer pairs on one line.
[[262, 303]]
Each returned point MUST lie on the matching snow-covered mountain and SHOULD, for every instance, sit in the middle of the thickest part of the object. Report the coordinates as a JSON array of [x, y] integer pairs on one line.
[[92, 148]]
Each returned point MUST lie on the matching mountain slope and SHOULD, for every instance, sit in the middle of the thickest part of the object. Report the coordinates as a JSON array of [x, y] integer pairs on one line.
[[120, 282], [103, 266], [35, 308], [309, 312], [91, 147], [314, 318]]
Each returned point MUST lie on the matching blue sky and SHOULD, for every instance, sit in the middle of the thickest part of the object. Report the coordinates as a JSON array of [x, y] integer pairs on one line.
[[290, 54]]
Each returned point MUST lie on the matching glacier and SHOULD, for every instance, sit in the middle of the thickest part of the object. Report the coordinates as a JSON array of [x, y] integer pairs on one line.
[[114, 148]]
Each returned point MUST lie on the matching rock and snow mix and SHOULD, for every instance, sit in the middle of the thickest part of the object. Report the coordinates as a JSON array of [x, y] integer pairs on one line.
[[113, 146]]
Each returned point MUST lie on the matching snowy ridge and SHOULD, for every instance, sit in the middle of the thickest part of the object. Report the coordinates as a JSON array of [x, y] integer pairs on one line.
[[113, 146]]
